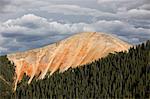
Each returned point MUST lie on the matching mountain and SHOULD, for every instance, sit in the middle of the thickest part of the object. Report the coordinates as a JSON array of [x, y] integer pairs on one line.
[[74, 51], [118, 75]]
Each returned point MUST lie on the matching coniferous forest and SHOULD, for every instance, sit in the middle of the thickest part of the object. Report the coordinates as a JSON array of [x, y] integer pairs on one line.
[[119, 75], [7, 72]]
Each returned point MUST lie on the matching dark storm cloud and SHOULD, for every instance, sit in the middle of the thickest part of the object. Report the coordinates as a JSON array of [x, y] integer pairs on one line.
[[11, 34], [3, 4]]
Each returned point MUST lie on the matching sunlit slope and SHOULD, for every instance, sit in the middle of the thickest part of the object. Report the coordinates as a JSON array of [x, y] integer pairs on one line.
[[74, 51]]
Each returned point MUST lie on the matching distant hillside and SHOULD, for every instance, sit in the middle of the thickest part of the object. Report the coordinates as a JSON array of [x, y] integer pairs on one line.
[[74, 51]]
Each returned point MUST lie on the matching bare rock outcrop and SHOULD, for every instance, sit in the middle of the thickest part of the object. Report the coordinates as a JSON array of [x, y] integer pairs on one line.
[[74, 51]]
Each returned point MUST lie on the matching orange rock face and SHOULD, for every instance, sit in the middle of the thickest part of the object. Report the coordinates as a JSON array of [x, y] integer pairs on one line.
[[79, 49]]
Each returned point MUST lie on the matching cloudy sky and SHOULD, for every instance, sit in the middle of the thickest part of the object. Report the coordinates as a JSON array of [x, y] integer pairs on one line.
[[27, 24]]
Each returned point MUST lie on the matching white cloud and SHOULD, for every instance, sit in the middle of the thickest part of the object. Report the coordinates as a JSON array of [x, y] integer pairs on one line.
[[74, 10], [108, 1], [139, 13], [121, 5], [145, 6], [15, 34]]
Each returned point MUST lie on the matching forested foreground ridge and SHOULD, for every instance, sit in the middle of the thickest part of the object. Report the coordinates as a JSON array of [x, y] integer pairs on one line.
[[7, 71], [119, 75]]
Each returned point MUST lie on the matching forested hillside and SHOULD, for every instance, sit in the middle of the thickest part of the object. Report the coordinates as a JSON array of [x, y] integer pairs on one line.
[[124, 74], [7, 71], [119, 75]]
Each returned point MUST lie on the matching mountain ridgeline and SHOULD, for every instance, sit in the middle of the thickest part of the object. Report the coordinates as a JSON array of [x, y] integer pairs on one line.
[[124, 74], [74, 51]]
